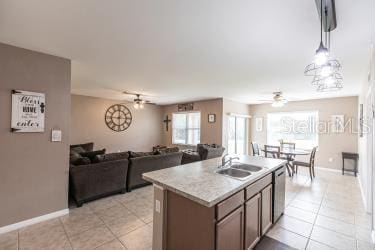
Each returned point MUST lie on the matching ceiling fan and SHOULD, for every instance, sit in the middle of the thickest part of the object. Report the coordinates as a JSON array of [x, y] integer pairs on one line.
[[278, 100], [138, 102]]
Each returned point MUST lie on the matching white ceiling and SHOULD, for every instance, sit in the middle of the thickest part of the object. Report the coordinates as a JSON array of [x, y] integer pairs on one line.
[[182, 50]]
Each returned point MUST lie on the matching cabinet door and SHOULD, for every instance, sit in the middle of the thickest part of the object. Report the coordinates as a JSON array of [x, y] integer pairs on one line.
[[266, 208], [229, 231], [252, 221]]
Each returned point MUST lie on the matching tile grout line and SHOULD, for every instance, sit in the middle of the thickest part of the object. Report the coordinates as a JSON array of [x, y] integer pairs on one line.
[[316, 218], [118, 238], [66, 234], [105, 225]]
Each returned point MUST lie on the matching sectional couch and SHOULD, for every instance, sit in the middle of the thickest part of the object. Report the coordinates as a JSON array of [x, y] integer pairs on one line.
[[94, 174]]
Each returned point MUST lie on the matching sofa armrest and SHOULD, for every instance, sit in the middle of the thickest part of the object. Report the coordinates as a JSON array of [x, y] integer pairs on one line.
[[92, 180]]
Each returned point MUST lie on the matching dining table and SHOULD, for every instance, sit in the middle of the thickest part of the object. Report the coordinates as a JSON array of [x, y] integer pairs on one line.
[[289, 154]]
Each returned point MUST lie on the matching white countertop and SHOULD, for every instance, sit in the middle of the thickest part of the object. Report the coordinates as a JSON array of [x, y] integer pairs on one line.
[[199, 181]]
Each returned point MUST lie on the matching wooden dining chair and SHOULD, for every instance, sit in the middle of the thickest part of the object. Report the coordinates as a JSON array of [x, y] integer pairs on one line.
[[275, 151], [256, 150], [310, 164], [287, 145]]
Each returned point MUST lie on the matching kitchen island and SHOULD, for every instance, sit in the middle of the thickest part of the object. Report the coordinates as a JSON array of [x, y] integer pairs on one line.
[[195, 207]]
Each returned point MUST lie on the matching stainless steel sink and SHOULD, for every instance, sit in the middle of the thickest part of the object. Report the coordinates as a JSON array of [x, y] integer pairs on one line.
[[246, 167], [235, 173]]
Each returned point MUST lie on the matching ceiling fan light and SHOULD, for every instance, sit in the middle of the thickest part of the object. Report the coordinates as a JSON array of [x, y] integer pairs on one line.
[[136, 105], [141, 106]]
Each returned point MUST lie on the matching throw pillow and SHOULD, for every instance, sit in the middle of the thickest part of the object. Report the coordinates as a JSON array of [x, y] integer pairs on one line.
[[73, 156], [91, 155], [78, 149], [82, 161]]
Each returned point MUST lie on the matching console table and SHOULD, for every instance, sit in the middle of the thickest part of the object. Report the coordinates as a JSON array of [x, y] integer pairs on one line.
[[350, 156]]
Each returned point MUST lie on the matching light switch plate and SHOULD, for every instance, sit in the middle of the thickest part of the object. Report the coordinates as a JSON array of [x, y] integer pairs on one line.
[[56, 135]]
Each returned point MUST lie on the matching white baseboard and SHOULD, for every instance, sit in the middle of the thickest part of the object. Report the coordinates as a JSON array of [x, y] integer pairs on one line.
[[32, 221]]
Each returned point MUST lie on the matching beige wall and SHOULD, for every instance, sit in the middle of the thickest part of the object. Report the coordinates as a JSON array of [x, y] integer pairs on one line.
[[33, 170], [87, 124], [238, 109], [330, 145], [210, 132]]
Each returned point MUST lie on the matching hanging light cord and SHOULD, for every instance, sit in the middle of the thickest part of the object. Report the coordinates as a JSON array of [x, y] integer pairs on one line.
[[321, 20], [327, 28]]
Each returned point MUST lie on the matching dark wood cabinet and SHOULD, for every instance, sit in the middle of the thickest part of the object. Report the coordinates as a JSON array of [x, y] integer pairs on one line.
[[236, 223], [252, 221], [229, 231], [266, 208]]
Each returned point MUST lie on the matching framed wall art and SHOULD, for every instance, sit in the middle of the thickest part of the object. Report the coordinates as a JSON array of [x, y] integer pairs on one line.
[[258, 124], [28, 111]]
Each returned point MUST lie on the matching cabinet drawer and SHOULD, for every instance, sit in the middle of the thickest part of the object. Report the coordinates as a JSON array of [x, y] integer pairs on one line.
[[257, 186], [228, 205]]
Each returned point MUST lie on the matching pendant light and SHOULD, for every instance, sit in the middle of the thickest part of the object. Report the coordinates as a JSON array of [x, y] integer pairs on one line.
[[325, 69], [322, 53]]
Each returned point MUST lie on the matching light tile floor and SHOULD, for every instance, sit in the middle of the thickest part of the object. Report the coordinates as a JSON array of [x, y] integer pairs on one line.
[[324, 214], [117, 222]]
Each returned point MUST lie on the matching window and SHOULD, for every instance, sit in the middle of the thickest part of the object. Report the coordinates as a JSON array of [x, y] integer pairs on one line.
[[299, 127], [237, 135], [186, 128]]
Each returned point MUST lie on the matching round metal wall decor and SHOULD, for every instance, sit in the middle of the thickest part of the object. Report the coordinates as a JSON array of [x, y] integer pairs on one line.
[[118, 117]]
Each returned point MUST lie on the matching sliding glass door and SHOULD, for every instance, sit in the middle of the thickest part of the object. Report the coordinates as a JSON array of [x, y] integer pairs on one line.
[[237, 135]]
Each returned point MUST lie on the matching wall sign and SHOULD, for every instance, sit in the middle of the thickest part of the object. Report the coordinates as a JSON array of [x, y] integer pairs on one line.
[[185, 107], [28, 111]]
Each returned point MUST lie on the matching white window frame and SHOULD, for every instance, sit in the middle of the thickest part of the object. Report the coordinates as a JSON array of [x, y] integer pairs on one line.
[[246, 146], [186, 128], [291, 112]]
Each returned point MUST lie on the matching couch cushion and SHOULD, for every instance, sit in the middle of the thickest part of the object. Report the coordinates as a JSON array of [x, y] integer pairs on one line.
[[167, 150], [92, 154], [115, 156], [140, 154]]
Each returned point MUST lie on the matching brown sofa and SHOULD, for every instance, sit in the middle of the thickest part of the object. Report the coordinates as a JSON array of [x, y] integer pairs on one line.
[[142, 164], [203, 152], [89, 181]]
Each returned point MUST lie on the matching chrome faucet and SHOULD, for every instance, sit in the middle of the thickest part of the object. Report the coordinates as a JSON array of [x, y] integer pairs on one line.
[[224, 162]]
